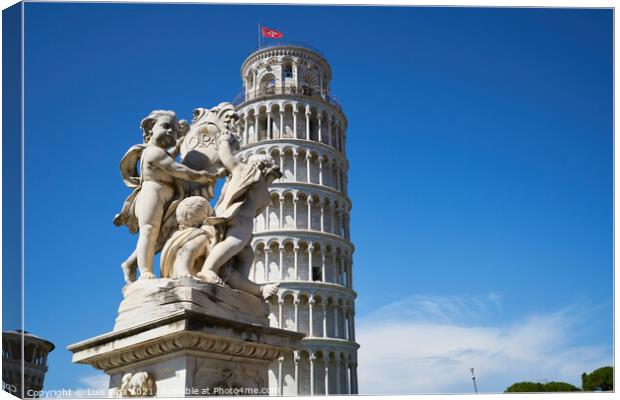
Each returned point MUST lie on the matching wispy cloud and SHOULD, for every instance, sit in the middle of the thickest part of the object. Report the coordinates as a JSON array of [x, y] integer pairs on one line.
[[426, 344], [91, 386]]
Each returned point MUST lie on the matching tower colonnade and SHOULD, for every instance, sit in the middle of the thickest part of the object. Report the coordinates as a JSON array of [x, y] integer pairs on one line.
[[302, 239]]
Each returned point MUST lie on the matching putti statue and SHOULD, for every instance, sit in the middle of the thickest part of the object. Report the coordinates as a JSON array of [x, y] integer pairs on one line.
[[170, 209]]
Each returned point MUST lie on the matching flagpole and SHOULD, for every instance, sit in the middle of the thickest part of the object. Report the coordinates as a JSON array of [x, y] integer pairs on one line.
[[259, 43]]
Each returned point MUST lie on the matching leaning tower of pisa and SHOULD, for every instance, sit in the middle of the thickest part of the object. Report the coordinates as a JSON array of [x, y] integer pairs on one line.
[[302, 238]]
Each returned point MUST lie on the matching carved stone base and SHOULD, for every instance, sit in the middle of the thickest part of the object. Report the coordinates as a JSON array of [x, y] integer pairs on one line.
[[189, 353]]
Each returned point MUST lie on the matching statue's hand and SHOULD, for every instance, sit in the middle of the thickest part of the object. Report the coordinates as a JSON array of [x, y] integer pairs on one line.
[[207, 177]]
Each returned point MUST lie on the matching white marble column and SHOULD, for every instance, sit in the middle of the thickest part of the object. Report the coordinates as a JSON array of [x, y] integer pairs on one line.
[[280, 306], [348, 377], [281, 165], [310, 201], [354, 389], [323, 267], [338, 388], [256, 127], [295, 200], [280, 376], [312, 359], [320, 126], [336, 321], [322, 204], [267, 212], [246, 139], [281, 130], [310, 251], [307, 124], [311, 316], [281, 211], [324, 306], [281, 262], [334, 267], [295, 155], [350, 274], [326, 362], [269, 129], [296, 304], [320, 161], [296, 373], [308, 165], [329, 130], [266, 272], [295, 112], [295, 264]]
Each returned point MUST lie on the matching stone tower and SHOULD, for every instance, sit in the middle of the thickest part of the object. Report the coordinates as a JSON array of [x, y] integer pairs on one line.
[[34, 362], [302, 239]]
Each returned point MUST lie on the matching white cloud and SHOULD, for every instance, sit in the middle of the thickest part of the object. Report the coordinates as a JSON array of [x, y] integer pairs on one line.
[[92, 386], [426, 344]]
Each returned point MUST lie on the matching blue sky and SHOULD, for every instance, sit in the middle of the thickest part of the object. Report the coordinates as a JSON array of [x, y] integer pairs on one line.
[[480, 144]]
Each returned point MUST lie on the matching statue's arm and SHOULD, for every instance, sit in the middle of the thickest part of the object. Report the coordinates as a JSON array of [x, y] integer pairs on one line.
[[166, 163], [227, 155]]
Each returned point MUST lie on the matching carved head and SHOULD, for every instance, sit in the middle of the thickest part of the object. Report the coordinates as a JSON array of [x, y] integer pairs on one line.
[[160, 127], [193, 211], [267, 166]]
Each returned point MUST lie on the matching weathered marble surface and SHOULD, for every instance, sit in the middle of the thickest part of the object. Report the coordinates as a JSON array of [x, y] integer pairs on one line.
[[177, 337], [152, 299]]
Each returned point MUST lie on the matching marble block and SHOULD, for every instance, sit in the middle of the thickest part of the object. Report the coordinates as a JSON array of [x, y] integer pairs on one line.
[[191, 339], [150, 299]]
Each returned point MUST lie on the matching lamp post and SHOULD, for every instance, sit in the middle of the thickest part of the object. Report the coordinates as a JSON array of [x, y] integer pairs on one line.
[[473, 378]]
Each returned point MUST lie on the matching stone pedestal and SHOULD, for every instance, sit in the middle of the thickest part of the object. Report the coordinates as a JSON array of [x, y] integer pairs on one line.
[[184, 337]]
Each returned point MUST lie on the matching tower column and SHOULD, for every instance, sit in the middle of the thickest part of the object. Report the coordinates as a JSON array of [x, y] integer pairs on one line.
[[326, 361], [323, 267], [246, 121], [312, 359], [281, 211], [295, 200], [256, 127], [320, 161], [296, 361], [295, 155], [266, 272], [296, 304], [310, 201], [281, 129], [322, 216], [311, 316], [307, 123], [320, 130], [280, 306], [324, 306], [281, 261], [336, 321], [296, 251], [310, 251], [295, 112], [308, 164], [329, 129], [280, 376], [269, 129]]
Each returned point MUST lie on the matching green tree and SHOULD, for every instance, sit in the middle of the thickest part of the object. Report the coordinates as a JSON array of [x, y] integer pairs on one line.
[[534, 387], [600, 379]]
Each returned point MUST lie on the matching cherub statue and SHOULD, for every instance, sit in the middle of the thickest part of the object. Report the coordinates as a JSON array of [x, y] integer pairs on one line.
[[244, 196], [151, 202], [211, 144], [185, 251]]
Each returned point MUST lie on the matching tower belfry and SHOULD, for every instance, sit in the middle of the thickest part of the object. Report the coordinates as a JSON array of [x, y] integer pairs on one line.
[[302, 238]]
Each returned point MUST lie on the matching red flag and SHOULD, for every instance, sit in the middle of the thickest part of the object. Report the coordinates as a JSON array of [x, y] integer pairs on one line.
[[270, 33]]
